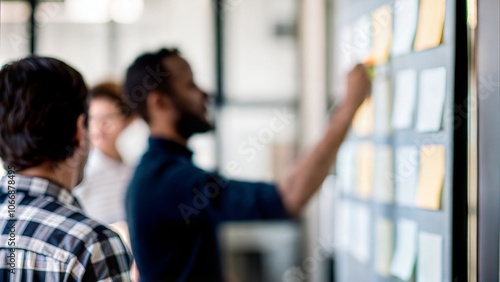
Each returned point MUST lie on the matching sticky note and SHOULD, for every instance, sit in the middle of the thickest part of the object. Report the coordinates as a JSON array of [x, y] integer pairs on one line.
[[360, 240], [326, 217], [363, 122], [362, 38], [406, 174], [365, 158], [346, 168], [347, 57], [405, 26], [405, 254], [382, 36], [430, 24], [430, 258], [431, 99], [342, 225], [384, 246], [382, 102], [383, 190], [431, 176], [405, 96]]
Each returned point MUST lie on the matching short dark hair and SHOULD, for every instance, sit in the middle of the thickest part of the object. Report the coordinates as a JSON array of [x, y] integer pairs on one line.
[[147, 66], [112, 92], [40, 101]]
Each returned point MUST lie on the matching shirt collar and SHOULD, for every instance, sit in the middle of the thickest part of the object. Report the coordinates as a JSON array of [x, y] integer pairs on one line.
[[37, 186], [100, 160], [158, 143]]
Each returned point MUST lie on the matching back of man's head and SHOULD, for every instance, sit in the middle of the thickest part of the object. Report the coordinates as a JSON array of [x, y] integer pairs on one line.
[[40, 102], [146, 74]]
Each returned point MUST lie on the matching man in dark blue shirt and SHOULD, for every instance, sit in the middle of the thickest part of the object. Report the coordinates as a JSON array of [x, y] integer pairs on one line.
[[173, 207]]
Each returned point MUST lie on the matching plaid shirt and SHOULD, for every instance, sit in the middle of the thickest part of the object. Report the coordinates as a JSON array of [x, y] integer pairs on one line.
[[54, 240]]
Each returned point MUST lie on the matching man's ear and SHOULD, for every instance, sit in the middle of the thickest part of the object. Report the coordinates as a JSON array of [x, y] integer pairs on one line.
[[81, 135], [157, 101]]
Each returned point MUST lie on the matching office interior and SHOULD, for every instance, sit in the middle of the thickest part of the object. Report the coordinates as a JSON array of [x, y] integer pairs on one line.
[[414, 194]]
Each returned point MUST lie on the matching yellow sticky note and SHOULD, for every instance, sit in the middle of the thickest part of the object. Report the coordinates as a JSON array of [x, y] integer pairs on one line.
[[382, 36], [363, 122], [365, 158], [430, 24], [431, 177], [384, 246]]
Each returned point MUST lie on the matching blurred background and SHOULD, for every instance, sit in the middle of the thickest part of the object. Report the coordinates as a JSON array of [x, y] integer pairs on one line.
[[245, 54], [286, 60]]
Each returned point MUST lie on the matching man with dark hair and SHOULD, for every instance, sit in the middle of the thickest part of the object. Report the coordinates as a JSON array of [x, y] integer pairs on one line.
[[174, 208], [44, 147]]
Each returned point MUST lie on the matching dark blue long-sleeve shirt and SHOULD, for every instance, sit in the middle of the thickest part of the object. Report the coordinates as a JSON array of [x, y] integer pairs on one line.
[[174, 209]]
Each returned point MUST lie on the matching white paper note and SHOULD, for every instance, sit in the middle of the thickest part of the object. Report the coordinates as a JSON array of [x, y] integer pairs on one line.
[[384, 246], [382, 99], [405, 26], [431, 99], [327, 201], [405, 96], [342, 226], [407, 173], [346, 58], [383, 187], [346, 168], [403, 262], [362, 39], [430, 258], [360, 237]]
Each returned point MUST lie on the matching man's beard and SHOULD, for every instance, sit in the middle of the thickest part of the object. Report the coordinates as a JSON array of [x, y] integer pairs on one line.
[[190, 124]]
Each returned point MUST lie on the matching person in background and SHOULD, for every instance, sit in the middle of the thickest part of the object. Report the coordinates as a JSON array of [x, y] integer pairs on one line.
[[102, 191], [174, 208], [132, 142], [44, 146]]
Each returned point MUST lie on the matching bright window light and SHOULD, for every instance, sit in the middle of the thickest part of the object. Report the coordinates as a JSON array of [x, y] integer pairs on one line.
[[87, 11], [14, 12], [126, 11]]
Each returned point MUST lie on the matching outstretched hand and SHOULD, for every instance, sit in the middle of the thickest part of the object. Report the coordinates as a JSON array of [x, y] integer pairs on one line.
[[358, 86]]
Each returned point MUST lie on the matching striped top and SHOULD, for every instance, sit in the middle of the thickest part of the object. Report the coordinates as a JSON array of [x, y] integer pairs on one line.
[[102, 191], [46, 237]]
